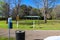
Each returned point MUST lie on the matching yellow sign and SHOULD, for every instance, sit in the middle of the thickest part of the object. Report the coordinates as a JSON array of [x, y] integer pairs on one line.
[[17, 18]]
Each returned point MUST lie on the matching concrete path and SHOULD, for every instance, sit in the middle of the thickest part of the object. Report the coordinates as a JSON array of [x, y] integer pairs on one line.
[[32, 34]]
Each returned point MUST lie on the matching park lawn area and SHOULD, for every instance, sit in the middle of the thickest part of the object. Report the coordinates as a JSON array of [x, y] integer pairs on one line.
[[5, 38], [28, 25]]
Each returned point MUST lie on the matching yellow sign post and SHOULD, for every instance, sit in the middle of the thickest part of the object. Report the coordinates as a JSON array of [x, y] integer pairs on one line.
[[17, 18]]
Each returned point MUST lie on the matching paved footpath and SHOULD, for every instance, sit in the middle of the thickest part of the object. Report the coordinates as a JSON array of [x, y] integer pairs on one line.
[[32, 34]]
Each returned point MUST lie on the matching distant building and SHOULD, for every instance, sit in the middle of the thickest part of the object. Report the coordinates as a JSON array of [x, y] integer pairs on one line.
[[32, 17]]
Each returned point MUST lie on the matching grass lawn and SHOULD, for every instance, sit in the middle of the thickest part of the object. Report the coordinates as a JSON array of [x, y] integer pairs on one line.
[[5, 38], [28, 25]]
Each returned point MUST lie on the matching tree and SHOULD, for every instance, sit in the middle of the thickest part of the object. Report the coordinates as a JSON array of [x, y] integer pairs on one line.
[[1, 8], [6, 11], [37, 4], [29, 8], [17, 7], [22, 11], [24, 8], [46, 4], [14, 13], [56, 12]]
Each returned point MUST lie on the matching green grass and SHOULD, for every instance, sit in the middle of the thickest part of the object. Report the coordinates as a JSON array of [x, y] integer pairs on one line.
[[39, 25], [5, 38]]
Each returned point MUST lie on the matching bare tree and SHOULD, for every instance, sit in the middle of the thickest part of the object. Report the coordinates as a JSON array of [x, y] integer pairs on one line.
[[6, 10], [17, 5], [45, 10], [38, 3], [46, 4]]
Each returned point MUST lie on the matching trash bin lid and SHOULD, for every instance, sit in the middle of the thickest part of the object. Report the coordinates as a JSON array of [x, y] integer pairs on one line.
[[19, 31]]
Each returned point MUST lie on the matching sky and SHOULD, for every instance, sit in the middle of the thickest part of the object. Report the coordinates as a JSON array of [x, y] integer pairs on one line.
[[58, 1], [30, 3], [26, 2]]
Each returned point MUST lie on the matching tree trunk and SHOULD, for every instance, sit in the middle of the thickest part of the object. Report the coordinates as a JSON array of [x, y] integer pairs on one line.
[[45, 10], [45, 18], [6, 20]]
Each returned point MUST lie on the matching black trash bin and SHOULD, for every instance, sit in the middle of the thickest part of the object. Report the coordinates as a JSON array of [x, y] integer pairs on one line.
[[20, 35]]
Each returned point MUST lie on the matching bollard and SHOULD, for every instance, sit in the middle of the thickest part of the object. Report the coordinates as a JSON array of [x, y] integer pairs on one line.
[[20, 35]]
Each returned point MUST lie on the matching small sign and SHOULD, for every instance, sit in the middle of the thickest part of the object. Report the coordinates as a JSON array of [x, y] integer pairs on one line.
[[17, 17], [10, 23]]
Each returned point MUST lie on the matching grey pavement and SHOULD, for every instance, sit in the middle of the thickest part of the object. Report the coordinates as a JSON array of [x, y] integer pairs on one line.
[[32, 34]]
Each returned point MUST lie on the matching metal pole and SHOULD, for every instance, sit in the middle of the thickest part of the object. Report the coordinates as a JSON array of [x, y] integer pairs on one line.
[[9, 34], [8, 15]]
